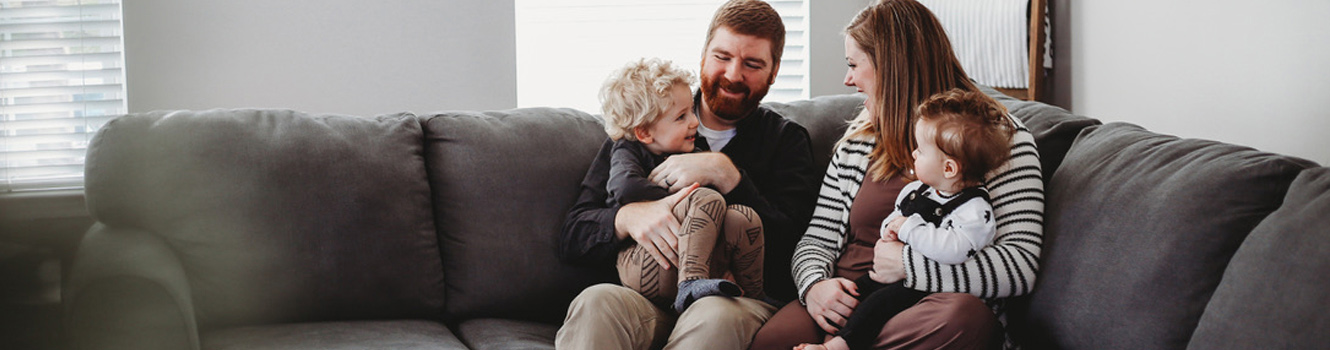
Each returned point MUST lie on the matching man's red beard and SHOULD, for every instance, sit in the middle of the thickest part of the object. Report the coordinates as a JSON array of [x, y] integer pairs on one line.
[[730, 108]]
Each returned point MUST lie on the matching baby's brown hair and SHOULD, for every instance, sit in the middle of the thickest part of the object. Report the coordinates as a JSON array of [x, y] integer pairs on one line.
[[972, 128]]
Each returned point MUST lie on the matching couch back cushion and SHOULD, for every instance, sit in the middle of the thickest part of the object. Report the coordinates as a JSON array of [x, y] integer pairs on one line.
[[503, 182], [1139, 228], [278, 216], [825, 118], [1273, 294], [1053, 128]]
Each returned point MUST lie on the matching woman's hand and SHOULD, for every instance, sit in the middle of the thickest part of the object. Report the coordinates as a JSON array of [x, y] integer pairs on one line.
[[831, 301], [653, 226], [888, 262]]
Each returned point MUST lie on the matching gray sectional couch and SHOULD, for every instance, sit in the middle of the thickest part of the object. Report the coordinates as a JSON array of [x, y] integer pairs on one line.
[[274, 229]]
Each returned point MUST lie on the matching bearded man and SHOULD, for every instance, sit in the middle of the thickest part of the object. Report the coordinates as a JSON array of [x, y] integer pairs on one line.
[[751, 155]]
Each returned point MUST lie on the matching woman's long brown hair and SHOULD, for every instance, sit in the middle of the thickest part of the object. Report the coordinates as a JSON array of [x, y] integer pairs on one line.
[[914, 60]]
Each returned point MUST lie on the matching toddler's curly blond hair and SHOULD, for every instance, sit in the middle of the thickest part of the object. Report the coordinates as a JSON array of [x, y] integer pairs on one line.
[[639, 93]]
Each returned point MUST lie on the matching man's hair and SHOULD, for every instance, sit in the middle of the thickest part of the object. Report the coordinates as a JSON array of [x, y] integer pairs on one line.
[[913, 59], [750, 17], [972, 129], [637, 94]]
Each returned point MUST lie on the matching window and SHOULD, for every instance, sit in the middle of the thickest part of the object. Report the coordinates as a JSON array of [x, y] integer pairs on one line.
[[61, 78], [566, 48]]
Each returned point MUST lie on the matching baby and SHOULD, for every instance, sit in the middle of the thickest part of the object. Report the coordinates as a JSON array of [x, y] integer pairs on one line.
[[648, 111], [945, 214]]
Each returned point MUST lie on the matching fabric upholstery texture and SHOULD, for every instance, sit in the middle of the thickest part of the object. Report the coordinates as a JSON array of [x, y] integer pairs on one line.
[[1139, 229], [497, 334], [825, 118], [1273, 295], [147, 305], [403, 334], [503, 183], [278, 216], [275, 229], [1053, 128]]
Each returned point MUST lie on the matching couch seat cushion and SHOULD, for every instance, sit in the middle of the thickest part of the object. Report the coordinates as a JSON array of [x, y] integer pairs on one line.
[[1273, 295], [403, 334], [1139, 228], [493, 333]]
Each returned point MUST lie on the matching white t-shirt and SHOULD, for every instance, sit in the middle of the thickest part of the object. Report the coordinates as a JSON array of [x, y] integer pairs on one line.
[[716, 139]]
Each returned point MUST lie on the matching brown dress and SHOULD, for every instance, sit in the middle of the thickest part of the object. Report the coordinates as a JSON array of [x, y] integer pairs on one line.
[[941, 320]]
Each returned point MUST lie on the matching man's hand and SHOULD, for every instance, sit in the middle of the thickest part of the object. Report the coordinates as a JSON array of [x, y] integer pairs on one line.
[[830, 302], [653, 226], [707, 168], [888, 264]]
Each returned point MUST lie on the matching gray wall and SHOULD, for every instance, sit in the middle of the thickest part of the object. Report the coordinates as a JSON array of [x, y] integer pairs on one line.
[[322, 56], [1228, 70], [826, 44], [1254, 73], [359, 57]]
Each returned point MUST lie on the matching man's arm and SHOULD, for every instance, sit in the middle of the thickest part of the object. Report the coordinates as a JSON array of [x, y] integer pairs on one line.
[[588, 236], [782, 189], [784, 199], [594, 230], [713, 169], [786, 196], [777, 179]]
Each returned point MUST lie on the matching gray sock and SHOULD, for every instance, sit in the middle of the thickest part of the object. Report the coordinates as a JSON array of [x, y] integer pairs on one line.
[[692, 290]]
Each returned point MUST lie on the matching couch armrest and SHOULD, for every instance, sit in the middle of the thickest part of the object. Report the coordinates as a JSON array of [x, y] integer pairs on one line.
[[128, 290]]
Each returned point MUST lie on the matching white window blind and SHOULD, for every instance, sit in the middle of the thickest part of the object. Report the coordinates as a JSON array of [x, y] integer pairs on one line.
[[61, 78], [566, 48]]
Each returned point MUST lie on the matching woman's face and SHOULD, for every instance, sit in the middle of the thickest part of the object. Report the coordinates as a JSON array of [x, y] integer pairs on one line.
[[861, 73]]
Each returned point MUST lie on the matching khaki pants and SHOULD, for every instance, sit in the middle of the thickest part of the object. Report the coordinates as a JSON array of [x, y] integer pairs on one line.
[[608, 316]]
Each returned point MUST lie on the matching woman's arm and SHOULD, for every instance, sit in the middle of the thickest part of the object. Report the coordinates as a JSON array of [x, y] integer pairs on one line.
[[1008, 266], [830, 300], [816, 253]]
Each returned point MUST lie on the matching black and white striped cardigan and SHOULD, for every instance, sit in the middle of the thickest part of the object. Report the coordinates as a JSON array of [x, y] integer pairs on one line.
[[1005, 268]]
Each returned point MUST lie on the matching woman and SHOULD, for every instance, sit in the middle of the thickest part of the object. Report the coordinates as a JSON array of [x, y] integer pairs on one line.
[[899, 55]]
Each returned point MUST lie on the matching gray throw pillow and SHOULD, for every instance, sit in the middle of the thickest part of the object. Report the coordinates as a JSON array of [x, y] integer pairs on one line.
[[1273, 295], [1139, 229]]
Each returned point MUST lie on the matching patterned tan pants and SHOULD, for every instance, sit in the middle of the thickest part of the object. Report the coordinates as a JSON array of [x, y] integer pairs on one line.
[[703, 215]]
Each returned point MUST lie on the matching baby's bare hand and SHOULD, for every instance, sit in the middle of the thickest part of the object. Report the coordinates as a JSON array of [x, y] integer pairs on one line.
[[892, 229], [889, 236]]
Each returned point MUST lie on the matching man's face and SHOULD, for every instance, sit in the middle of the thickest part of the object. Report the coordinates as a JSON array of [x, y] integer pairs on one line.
[[737, 71]]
